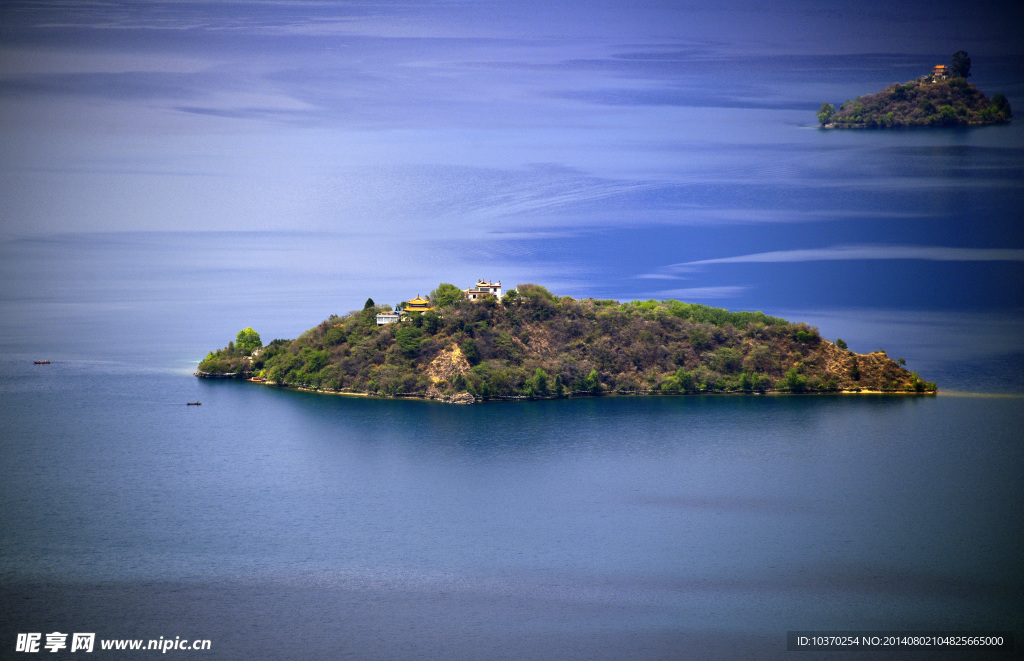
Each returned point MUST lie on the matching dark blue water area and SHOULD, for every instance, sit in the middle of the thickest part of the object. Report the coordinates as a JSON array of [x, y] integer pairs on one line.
[[589, 527], [807, 189]]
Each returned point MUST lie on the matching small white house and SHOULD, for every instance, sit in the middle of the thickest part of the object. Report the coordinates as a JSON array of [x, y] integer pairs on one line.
[[483, 288], [387, 318]]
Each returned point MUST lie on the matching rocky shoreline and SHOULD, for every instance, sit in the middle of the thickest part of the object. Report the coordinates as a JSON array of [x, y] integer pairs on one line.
[[464, 398]]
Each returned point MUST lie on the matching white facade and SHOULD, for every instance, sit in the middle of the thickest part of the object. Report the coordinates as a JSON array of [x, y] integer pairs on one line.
[[484, 288], [387, 318]]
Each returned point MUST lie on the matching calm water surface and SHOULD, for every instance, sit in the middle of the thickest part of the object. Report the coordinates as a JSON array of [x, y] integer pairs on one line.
[[652, 519], [280, 524]]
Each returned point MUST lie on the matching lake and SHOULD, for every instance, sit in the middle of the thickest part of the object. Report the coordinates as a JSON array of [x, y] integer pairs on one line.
[[596, 527], [280, 524]]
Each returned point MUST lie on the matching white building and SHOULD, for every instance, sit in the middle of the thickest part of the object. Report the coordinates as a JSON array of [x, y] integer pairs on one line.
[[387, 318], [483, 288]]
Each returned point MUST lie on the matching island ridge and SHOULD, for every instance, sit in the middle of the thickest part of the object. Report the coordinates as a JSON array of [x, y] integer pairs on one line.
[[531, 344]]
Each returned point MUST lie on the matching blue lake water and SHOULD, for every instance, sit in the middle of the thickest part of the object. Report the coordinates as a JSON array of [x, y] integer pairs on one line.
[[280, 524], [584, 528]]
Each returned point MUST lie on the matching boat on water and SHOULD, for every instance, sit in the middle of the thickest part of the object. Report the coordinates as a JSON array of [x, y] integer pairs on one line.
[[41, 362], [193, 403]]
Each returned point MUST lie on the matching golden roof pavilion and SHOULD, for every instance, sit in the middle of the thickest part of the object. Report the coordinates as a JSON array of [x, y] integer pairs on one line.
[[418, 304]]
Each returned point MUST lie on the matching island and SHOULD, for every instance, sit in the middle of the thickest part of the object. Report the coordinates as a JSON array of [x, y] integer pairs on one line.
[[940, 98], [473, 345]]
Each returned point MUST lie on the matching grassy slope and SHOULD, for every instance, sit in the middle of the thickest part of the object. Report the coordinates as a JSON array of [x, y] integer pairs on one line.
[[490, 350]]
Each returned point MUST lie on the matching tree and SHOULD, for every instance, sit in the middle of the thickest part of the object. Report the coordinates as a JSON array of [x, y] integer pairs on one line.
[[727, 360], [825, 113], [471, 351], [762, 359], [276, 376], [699, 339], [248, 340], [670, 384], [592, 383], [540, 382], [1002, 104], [960, 65], [841, 343], [793, 381], [431, 322], [314, 360], [685, 380], [409, 339], [369, 304], [445, 295]]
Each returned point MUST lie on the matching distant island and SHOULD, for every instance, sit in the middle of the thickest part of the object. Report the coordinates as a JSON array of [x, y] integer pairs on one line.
[[465, 346], [941, 98]]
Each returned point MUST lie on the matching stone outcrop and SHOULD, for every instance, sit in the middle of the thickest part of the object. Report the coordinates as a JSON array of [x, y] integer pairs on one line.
[[448, 363], [216, 375], [443, 372]]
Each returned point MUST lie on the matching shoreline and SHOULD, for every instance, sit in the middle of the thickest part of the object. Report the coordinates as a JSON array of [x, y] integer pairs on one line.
[[575, 394], [910, 127]]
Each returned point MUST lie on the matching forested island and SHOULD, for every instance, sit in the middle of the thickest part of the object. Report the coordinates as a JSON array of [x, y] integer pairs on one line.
[[531, 344], [941, 98]]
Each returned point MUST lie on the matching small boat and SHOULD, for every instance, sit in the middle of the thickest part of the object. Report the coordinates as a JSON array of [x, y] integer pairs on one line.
[[193, 403], [41, 362]]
